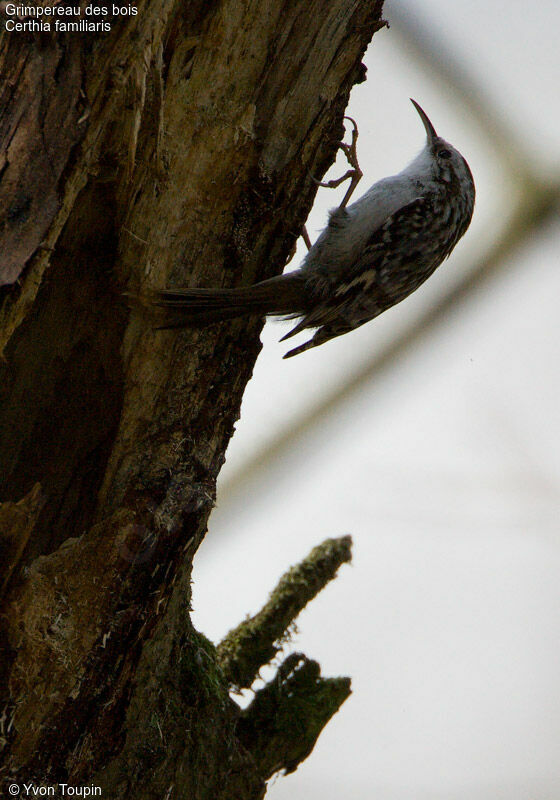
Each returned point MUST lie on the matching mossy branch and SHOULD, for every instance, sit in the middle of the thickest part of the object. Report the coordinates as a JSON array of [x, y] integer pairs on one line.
[[284, 721], [255, 642]]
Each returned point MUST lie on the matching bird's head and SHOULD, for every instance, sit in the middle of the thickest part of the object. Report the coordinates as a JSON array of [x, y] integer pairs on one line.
[[441, 161]]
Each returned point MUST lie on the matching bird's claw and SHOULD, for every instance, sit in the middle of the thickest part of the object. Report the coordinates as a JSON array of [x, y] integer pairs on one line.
[[354, 174]]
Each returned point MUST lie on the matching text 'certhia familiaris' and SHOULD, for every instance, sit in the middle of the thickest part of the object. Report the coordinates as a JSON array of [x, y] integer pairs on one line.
[[371, 255]]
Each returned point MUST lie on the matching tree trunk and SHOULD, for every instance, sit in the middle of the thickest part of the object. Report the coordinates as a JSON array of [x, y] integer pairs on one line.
[[175, 149]]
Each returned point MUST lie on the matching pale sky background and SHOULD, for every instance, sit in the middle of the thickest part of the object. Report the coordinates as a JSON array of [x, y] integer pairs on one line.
[[445, 468]]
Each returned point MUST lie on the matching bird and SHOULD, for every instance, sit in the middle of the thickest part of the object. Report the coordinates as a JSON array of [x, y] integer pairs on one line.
[[372, 254]]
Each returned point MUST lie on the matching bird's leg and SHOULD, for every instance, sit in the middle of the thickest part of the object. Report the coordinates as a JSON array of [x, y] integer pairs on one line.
[[354, 174], [351, 153], [305, 237], [307, 242]]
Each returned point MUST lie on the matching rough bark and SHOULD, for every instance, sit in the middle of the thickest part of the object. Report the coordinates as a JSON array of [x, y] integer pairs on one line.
[[176, 149]]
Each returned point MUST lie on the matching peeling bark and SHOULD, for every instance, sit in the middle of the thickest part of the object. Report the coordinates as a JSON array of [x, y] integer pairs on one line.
[[177, 149]]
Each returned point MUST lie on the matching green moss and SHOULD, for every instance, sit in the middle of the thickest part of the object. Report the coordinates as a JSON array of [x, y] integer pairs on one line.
[[200, 669], [284, 721], [258, 639]]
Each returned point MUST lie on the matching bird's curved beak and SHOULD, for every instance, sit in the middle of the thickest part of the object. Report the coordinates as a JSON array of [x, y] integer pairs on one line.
[[430, 130]]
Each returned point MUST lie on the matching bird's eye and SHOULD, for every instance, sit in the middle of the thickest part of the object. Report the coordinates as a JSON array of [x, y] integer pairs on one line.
[[444, 154]]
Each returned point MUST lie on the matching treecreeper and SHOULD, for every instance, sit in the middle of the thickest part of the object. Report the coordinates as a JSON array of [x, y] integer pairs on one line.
[[372, 254]]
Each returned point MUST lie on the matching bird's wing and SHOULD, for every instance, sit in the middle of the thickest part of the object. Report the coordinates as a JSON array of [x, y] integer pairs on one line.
[[345, 237], [383, 200], [321, 335], [394, 239], [360, 296]]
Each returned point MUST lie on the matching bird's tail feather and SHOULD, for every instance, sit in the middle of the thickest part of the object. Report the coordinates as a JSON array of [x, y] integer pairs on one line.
[[180, 308]]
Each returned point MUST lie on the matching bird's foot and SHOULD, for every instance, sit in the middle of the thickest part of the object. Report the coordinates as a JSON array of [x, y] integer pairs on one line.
[[354, 174]]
